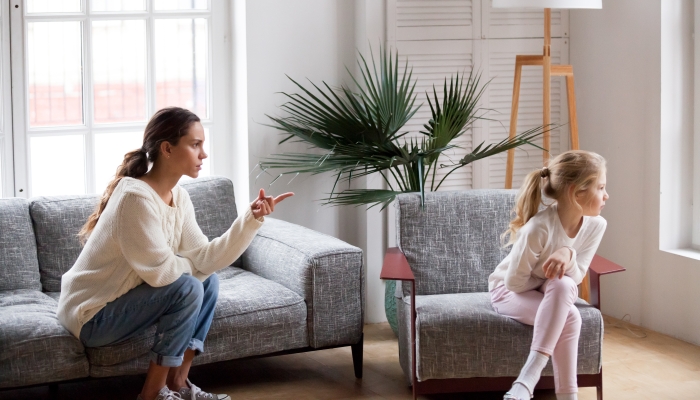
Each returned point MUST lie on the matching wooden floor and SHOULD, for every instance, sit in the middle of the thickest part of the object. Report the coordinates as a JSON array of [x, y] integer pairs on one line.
[[655, 367]]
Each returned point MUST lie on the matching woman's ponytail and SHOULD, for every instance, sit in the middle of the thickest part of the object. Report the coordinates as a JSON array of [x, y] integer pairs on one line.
[[135, 165], [527, 204]]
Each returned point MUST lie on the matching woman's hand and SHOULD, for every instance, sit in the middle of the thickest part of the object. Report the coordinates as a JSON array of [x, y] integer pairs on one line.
[[265, 205], [556, 264]]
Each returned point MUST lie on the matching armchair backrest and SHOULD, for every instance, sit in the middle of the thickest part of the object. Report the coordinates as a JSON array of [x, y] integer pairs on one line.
[[453, 243]]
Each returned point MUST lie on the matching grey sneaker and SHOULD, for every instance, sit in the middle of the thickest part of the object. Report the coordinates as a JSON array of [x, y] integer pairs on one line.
[[194, 393], [165, 394]]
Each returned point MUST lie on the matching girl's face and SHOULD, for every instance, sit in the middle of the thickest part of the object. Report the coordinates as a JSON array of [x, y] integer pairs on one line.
[[188, 155], [593, 200]]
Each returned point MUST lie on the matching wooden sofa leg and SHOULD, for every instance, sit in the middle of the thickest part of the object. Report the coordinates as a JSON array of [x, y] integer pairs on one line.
[[357, 350], [53, 391]]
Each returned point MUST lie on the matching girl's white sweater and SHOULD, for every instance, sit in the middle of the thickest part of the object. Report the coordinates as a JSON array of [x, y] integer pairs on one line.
[[138, 239], [541, 236]]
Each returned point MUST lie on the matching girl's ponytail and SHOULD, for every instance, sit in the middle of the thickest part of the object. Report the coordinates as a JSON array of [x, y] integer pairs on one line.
[[135, 164], [527, 203], [575, 169]]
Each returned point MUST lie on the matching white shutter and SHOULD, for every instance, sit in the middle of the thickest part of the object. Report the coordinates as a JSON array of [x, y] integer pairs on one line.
[[501, 69], [434, 19], [513, 23], [432, 62], [441, 37]]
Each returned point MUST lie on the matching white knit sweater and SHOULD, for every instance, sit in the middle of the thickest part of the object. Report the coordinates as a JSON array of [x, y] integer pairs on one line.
[[541, 236], [138, 239]]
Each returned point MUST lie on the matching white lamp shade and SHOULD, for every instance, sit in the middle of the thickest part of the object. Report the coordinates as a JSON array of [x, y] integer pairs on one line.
[[547, 3]]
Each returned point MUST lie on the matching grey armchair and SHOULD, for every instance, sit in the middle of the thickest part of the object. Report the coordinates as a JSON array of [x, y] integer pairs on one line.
[[450, 337]]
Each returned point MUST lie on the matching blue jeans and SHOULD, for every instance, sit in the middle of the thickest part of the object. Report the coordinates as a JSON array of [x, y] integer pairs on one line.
[[183, 311]]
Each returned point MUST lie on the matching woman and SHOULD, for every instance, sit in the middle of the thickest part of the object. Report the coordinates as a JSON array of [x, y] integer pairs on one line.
[[147, 262]]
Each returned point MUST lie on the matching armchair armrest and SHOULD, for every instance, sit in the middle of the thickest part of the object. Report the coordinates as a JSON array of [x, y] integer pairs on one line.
[[600, 266], [325, 271], [396, 266]]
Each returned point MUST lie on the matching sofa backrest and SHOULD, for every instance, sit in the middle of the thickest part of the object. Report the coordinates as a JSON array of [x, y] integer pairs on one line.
[[453, 243], [19, 268], [57, 221]]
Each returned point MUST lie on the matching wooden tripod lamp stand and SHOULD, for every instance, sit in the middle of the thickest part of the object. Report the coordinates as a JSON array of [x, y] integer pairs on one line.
[[548, 70]]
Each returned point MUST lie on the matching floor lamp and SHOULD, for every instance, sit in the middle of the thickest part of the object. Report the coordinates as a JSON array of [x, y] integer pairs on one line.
[[549, 70]]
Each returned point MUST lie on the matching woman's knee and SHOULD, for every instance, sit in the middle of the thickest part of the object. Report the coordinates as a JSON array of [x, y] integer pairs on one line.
[[211, 284], [190, 288]]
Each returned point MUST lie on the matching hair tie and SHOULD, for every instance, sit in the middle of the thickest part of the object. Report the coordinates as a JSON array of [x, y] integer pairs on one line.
[[544, 172], [142, 150]]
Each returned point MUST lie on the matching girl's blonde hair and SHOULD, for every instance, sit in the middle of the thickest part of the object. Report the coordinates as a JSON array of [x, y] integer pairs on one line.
[[578, 168], [168, 124]]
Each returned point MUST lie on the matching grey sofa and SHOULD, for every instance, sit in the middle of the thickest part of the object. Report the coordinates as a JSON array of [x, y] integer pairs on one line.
[[293, 290], [450, 337]]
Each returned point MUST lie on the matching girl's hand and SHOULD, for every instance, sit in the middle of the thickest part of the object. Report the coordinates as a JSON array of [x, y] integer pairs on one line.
[[555, 265], [265, 205]]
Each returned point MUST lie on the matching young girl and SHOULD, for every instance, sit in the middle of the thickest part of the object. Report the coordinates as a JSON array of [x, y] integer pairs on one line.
[[147, 262], [536, 284]]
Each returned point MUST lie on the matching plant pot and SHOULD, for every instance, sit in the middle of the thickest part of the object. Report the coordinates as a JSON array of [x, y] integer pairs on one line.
[[390, 305]]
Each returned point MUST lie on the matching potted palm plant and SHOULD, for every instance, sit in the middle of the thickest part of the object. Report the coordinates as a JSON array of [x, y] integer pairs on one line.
[[358, 132]]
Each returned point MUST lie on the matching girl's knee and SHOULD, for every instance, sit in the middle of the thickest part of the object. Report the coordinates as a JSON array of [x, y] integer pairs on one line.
[[574, 317], [564, 288]]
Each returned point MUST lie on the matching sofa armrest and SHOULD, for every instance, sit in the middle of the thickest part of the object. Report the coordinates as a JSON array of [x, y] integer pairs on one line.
[[600, 266], [325, 271]]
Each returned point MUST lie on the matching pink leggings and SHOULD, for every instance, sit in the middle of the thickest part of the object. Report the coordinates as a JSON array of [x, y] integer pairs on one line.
[[556, 320]]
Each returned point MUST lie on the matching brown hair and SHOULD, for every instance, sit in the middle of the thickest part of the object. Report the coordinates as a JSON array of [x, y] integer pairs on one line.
[[167, 124], [576, 167]]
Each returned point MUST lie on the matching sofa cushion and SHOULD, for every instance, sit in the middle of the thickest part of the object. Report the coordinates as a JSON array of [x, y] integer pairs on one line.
[[57, 221], [453, 243], [253, 316], [464, 332], [34, 346], [19, 268]]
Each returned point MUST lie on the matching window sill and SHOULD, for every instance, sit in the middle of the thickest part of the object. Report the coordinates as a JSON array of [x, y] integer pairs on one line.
[[687, 253]]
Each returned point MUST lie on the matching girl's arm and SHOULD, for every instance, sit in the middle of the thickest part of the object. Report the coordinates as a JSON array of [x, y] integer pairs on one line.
[[140, 236], [581, 259], [523, 258], [208, 257]]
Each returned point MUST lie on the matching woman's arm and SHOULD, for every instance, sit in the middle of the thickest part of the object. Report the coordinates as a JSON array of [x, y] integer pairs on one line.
[[140, 236], [523, 258], [208, 257]]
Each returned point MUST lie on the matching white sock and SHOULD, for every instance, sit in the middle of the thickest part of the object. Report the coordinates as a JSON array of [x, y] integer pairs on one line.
[[530, 374], [567, 396], [519, 391]]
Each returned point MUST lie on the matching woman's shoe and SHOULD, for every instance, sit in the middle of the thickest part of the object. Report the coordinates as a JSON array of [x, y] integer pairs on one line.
[[192, 392]]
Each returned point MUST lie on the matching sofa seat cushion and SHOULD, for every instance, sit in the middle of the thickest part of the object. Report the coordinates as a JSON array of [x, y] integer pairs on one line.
[[34, 346], [253, 316], [462, 336]]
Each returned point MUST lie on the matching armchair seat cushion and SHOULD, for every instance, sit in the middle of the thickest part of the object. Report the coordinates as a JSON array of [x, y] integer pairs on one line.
[[461, 336], [34, 346], [253, 316]]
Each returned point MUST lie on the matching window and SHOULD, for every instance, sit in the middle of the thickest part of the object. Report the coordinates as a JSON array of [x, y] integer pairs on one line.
[[92, 72]]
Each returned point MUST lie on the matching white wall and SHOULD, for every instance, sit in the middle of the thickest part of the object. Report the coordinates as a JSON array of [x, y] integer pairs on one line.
[[311, 39], [314, 39], [623, 69]]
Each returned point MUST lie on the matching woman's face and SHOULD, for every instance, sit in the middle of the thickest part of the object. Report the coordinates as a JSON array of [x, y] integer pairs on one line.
[[188, 154]]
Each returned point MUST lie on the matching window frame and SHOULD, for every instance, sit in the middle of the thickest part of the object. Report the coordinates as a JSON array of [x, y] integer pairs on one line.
[[218, 97]]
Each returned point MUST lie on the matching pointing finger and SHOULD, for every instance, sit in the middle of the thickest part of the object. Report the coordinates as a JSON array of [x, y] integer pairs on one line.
[[283, 196]]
